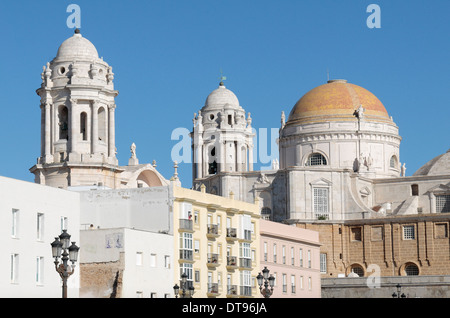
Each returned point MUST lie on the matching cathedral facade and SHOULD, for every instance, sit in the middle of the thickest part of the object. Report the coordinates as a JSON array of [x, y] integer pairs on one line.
[[339, 173]]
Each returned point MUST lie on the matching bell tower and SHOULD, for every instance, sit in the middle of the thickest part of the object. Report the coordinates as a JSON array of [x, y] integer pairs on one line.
[[77, 118], [222, 140]]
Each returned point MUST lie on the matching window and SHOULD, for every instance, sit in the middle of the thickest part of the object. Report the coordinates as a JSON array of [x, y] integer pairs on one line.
[[300, 253], [197, 276], [166, 261], [292, 256], [14, 274], [301, 282], [443, 203], [63, 117], [440, 230], [283, 251], [409, 232], [102, 124], [139, 258], [15, 223], [186, 268], [355, 233], [266, 213], [246, 287], [284, 283], [309, 259], [309, 283], [320, 198], [83, 125], [393, 162], [40, 227], [377, 233], [39, 270], [265, 251], [323, 263], [358, 270], [152, 260], [316, 159], [411, 270], [186, 246], [292, 284], [414, 189], [274, 253], [64, 223], [196, 217]]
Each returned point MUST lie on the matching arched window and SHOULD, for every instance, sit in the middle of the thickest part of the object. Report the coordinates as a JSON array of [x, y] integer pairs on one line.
[[316, 159], [102, 124], [212, 167], [63, 117], [266, 213], [411, 270], [393, 162], [358, 270], [83, 125]]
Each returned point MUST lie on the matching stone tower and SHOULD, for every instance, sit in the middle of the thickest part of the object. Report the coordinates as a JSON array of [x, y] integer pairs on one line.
[[222, 138], [77, 118]]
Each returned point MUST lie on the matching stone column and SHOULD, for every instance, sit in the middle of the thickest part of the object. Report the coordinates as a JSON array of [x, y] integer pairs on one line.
[[238, 157], [112, 131], [47, 134], [250, 157], [94, 134]]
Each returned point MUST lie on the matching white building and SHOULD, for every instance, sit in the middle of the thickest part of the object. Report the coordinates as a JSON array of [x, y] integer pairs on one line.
[[31, 216], [126, 263]]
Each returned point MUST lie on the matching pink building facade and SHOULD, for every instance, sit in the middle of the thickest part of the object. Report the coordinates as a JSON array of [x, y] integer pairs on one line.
[[292, 255]]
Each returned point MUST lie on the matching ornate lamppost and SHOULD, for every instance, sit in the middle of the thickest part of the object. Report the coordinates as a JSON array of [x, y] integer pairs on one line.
[[184, 294], [267, 280], [399, 290], [61, 247]]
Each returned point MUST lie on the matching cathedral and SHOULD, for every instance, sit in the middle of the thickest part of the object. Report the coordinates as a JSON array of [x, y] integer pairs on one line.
[[339, 173]]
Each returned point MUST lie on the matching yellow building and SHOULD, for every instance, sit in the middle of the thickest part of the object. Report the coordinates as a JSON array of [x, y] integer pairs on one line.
[[216, 244]]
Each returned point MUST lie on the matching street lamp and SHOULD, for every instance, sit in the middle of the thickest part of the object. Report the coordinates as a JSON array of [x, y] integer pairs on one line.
[[399, 290], [268, 281], [190, 289], [61, 247]]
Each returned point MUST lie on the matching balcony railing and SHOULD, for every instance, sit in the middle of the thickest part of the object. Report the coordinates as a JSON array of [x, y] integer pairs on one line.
[[213, 230], [186, 224], [213, 259], [231, 233], [232, 290], [232, 261], [213, 288]]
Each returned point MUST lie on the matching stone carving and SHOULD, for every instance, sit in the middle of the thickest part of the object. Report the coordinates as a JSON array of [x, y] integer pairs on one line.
[[359, 113]]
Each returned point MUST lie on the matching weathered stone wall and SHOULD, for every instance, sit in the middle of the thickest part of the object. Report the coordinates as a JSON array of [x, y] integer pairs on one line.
[[102, 280]]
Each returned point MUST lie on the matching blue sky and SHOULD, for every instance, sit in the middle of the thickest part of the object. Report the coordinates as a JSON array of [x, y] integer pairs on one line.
[[167, 57]]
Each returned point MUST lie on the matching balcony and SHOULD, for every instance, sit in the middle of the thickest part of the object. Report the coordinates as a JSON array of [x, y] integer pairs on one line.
[[232, 262], [245, 262], [213, 259], [247, 235], [213, 289], [186, 225], [213, 230], [232, 290], [231, 233]]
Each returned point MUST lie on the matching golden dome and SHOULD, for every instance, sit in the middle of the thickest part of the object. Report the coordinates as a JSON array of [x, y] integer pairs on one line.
[[337, 100]]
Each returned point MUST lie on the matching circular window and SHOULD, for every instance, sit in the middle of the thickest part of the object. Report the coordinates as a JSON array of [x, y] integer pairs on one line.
[[62, 70], [211, 116], [411, 270]]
